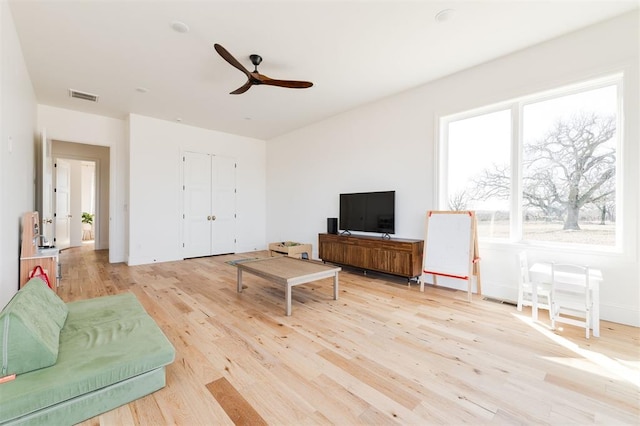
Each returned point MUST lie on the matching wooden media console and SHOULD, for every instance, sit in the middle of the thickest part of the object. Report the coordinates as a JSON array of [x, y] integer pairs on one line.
[[402, 257]]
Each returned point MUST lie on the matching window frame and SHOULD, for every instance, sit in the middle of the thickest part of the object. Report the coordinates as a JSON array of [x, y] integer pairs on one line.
[[516, 107]]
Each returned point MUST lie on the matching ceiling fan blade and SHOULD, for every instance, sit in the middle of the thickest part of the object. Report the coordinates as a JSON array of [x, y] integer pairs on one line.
[[229, 58], [292, 84], [254, 77], [242, 89]]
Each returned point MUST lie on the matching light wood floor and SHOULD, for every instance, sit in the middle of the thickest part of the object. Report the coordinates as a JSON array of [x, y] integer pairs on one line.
[[381, 354]]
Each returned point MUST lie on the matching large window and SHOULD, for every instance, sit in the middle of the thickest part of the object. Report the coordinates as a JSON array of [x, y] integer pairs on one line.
[[540, 169]]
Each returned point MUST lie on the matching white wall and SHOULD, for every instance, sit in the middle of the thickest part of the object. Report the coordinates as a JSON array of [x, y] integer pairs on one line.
[[17, 156], [90, 129], [155, 186], [391, 144]]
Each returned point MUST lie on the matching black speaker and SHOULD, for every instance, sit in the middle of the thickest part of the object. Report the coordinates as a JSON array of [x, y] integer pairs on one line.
[[332, 225]]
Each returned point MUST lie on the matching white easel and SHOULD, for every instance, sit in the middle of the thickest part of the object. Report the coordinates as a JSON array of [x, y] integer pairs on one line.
[[451, 248]]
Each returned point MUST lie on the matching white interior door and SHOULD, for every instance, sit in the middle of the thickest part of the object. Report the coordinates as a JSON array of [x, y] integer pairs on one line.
[[47, 228], [63, 204], [197, 204], [75, 203], [223, 205]]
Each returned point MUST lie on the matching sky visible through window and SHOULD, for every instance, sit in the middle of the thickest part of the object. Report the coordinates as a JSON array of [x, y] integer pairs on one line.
[[474, 145], [540, 116]]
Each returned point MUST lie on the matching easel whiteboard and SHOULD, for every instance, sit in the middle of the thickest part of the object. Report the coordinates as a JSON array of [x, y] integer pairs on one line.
[[451, 247]]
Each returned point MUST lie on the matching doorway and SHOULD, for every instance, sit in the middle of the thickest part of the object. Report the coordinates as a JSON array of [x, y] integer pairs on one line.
[[75, 189], [87, 167]]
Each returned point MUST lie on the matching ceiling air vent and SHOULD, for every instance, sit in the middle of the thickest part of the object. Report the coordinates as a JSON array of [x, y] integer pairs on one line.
[[82, 95]]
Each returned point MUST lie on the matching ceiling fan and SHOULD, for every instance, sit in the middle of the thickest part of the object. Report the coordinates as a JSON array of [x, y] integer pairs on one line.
[[255, 78]]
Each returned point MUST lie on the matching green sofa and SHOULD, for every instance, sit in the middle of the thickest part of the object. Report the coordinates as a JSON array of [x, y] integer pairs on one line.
[[74, 361]]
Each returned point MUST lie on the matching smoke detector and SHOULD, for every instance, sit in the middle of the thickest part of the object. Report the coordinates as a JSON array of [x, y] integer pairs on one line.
[[444, 15]]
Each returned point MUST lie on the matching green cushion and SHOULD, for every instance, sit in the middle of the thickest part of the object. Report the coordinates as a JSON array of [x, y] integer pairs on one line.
[[30, 329], [55, 308], [105, 341], [90, 404]]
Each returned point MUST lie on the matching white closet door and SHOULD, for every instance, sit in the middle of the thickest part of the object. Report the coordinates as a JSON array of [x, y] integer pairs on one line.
[[223, 205], [197, 204]]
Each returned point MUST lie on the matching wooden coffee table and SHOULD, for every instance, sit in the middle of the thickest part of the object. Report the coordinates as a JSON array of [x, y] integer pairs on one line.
[[289, 272]]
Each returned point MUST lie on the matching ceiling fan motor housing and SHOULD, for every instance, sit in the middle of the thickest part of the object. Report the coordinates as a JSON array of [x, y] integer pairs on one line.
[[255, 59]]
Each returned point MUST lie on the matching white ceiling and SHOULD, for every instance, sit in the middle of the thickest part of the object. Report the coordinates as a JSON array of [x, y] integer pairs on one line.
[[354, 51]]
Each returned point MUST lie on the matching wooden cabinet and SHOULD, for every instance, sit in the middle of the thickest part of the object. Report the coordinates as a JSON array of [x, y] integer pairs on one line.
[[394, 256], [48, 262], [31, 255]]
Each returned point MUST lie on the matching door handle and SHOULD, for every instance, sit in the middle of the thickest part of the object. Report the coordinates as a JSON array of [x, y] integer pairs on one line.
[[213, 218], [208, 217]]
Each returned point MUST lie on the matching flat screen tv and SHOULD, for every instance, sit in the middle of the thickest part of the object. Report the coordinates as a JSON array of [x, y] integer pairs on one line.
[[368, 212]]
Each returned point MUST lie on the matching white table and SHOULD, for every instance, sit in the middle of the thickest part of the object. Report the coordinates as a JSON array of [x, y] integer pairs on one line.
[[541, 272]]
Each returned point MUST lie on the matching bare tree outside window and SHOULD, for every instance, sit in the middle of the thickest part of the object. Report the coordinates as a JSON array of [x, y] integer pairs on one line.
[[567, 169], [575, 164]]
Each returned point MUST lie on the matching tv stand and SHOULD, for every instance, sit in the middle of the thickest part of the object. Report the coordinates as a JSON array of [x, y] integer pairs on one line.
[[395, 256]]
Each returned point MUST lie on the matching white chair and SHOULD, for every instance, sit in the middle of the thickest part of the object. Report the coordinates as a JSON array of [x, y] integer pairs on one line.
[[571, 301], [536, 295]]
